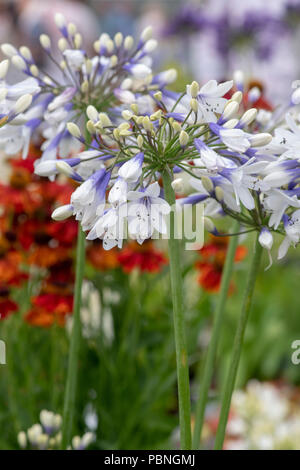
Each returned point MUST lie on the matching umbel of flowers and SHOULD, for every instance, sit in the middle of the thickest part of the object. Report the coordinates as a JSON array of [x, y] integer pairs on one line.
[[140, 140]]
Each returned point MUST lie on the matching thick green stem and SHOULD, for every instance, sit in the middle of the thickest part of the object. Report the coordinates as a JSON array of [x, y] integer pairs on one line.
[[205, 379], [179, 326], [70, 391], [237, 345]]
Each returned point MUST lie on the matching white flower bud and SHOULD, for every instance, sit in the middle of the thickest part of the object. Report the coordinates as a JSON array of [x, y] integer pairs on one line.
[[34, 70], [140, 141], [87, 439], [113, 60], [126, 84], [92, 113], [76, 442], [248, 117], [45, 41], [134, 107], [265, 239], [183, 138], [62, 44], [88, 66], [118, 39], [104, 119], [19, 62], [4, 68], [23, 103], [109, 45], [238, 77], [254, 94], [230, 124], [147, 124], [91, 127], [59, 20], [3, 93], [194, 105], [25, 51], [8, 50], [194, 89], [77, 40], [176, 126], [156, 115], [64, 168], [207, 184], [237, 96], [74, 130], [127, 115], [22, 439], [146, 34], [158, 96], [170, 75], [128, 43], [219, 193], [230, 110], [96, 46], [71, 29], [63, 212], [84, 86], [150, 46], [259, 140]]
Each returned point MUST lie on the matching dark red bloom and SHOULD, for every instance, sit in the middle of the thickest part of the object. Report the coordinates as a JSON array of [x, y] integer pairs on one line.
[[144, 257]]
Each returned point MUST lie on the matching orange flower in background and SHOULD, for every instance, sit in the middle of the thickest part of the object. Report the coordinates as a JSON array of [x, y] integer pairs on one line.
[[100, 258], [45, 256], [213, 255], [144, 257], [48, 309]]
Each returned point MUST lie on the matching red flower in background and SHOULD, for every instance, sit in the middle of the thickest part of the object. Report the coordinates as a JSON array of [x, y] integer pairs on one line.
[[144, 257], [213, 255]]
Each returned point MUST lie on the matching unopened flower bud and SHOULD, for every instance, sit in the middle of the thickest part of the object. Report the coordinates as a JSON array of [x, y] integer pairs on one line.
[[176, 126], [259, 140], [230, 110], [62, 44], [74, 130], [230, 124], [45, 41], [22, 439], [219, 193], [72, 29], [104, 119], [158, 96], [183, 138], [116, 134], [77, 40], [237, 96], [4, 68], [8, 50], [147, 124], [150, 46], [25, 51], [127, 115], [207, 184], [59, 20], [194, 105], [254, 94], [63, 212], [90, 127], [19, 62], [118, 39], [23, 103], [128, 42], [34, 70], [194, 89], [248, 117], [265, 238], [134, 107], [84, 86], [92, 113], [140, 141], [146, 34]]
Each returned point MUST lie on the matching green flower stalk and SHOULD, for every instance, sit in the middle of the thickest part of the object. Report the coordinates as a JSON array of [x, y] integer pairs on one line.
[[71, 383], [237, 345], [205, 379]]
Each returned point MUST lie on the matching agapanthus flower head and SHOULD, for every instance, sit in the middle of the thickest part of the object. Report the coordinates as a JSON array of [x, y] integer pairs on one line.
[[44, 102]]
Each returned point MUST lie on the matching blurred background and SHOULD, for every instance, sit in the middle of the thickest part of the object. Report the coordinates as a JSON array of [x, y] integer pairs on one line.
[[127, 393], [204, 39]]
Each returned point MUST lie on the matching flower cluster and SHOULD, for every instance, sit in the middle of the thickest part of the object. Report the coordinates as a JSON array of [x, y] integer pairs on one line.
[[46, 435], [264, 417], [120, 71]]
